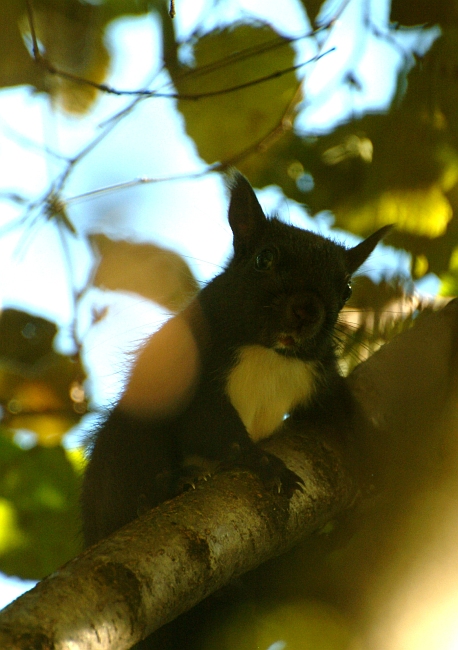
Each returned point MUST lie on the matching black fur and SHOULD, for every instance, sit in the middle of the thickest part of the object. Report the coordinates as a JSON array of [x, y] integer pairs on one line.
[[282, 290]]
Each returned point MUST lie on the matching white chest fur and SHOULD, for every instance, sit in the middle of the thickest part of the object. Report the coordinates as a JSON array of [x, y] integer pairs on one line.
[[264, 386]]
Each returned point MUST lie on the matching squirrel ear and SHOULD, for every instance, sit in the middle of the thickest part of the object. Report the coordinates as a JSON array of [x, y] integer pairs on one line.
[[359, 254], [246, 218]]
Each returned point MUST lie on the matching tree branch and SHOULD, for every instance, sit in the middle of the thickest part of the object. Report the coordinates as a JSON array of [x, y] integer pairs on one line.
[[164, 563], [167, 561]]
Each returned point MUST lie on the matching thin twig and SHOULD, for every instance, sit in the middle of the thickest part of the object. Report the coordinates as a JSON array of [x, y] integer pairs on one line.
[[228, 60], [181, 96]]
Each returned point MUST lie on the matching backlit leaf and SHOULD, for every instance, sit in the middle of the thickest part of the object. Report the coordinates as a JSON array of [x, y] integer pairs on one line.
[[225, 125], [151, 271]]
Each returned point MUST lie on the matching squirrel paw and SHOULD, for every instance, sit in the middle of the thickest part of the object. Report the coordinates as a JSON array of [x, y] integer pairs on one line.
[[278, 478], [272, 471], [193, 471]]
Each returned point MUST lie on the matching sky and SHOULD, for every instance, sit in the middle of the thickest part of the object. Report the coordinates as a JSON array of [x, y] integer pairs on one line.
[[154, 145]]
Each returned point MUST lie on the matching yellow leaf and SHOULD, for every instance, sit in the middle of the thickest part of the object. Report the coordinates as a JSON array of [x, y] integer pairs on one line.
[[49, 428], [11, 535], [77, 458], [421, 211], [421, 266]]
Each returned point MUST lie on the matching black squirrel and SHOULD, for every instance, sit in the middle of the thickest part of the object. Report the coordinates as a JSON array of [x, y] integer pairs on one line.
[[264, 334]]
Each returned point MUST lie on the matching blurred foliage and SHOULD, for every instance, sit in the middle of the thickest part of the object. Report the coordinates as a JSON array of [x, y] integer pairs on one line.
[[370, 171], [442, 12], [228, 58], [40, 389], [151, 271], [312, 8], [71, 37], [399, 166], [39, 508], [293, 625]]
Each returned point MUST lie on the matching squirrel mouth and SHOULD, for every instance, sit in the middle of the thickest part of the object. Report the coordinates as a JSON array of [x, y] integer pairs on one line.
[[287, 342]]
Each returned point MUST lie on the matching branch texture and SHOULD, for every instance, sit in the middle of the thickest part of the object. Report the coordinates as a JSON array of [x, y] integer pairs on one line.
[[167, 561]]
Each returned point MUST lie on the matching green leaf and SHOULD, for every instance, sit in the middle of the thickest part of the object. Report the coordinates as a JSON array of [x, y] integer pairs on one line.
[[227, 124], [39, 509], [449, 285]]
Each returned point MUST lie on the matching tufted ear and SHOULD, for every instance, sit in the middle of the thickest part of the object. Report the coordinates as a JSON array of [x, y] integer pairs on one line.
[[359, 254], [246, 218]]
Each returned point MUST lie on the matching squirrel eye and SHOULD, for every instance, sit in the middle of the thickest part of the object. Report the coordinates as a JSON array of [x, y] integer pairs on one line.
[[347, 292], [264, 260]]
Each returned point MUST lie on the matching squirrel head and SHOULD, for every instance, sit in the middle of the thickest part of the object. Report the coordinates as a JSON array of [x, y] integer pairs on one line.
[[290, 284]]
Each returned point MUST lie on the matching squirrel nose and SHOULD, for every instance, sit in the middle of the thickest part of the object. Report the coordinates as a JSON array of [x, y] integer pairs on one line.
[[307, 312]]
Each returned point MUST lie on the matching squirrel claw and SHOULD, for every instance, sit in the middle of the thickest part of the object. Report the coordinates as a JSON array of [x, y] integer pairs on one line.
[[192, 474], [290, 483]]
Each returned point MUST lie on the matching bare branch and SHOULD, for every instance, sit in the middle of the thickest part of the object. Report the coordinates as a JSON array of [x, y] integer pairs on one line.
[[164, 563]]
